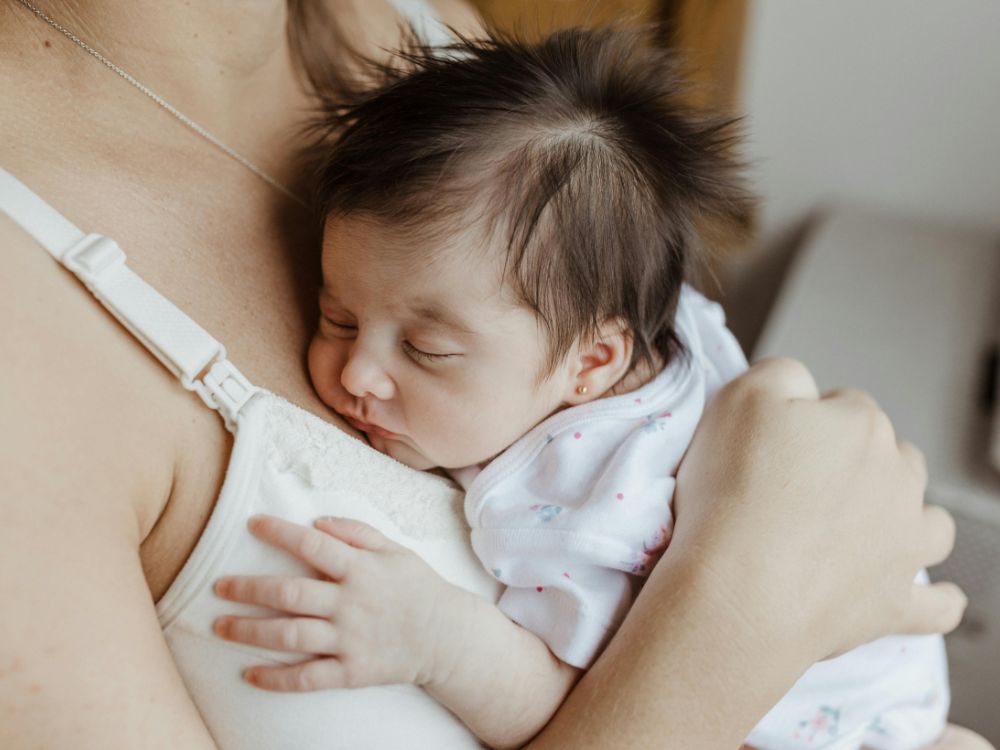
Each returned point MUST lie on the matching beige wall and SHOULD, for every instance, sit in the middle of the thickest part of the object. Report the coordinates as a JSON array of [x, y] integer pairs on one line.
[[893, 104]]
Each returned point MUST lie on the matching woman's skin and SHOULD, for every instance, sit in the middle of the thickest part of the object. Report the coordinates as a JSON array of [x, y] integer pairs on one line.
[[752, 433], [110, 469]]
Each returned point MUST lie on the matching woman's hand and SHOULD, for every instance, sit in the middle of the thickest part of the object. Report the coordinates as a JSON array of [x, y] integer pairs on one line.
[[800, 526], [381, 616], [807, 505], [959, 738]]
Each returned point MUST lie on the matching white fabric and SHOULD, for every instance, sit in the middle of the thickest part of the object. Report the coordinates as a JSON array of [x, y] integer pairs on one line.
[[572, 517], [50, 229], [891, 694], [184, 347], [424, 21], [289, 463], [570, 514]]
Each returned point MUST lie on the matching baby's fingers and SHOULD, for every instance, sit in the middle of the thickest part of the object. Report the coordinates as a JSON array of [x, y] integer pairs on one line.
[[300, 596], [322, 551], [355, 533], [315, 674], [302, 635]]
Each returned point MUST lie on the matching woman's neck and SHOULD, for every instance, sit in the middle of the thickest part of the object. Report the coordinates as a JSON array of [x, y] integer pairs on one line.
[[220, 62]]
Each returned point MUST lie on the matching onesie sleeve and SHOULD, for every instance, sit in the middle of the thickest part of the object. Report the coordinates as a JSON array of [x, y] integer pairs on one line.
[[720, 354], [573, 565], [575, 514]]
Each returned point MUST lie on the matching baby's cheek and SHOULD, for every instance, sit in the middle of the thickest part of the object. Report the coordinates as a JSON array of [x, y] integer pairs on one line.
[[468, 444], [325, 366], [403, 453]]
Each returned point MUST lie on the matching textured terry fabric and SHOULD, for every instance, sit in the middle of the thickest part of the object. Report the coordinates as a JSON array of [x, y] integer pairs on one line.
[[289, 463]]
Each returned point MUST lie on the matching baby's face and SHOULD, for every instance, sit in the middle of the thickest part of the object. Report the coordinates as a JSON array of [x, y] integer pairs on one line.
[[421, 349]]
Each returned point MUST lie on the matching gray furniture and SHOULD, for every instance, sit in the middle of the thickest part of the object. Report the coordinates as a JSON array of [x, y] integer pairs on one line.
[[911, 313]]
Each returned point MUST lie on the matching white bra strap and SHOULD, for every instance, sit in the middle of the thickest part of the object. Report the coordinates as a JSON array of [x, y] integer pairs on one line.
[[184, 347], [425, 21]]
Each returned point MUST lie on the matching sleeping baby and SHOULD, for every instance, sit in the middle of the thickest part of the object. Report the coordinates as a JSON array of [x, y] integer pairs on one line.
[[509, 229]]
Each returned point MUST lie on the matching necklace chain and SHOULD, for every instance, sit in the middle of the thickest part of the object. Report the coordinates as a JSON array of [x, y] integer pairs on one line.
[[208, 136]]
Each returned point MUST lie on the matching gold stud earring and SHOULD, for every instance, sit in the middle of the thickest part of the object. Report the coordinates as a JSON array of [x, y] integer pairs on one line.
[[581, 389]]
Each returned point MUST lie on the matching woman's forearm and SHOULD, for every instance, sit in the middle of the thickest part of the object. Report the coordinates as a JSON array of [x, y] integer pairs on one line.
[[677, 672], [799, 528]]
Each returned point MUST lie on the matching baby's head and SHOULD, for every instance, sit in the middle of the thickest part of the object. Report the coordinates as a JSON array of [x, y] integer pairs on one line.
[[508, 227]]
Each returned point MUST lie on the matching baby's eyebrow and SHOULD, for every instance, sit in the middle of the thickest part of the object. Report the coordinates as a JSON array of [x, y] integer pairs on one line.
[[327, 298], [442, 317]]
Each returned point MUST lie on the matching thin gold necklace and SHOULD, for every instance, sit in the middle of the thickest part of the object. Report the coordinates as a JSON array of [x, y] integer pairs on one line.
[[208, 136]]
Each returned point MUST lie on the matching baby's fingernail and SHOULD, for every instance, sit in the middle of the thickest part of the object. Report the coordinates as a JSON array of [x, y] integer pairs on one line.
[[222, 587], [221, 626], [250, 675], [326, 519]]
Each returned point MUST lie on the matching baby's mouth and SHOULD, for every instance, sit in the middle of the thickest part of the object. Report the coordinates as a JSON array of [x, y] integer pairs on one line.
[[371, 429]]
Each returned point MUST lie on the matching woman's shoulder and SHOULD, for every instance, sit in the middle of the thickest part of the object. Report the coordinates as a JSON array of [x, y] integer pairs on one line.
[[86, 473], [82, 401]]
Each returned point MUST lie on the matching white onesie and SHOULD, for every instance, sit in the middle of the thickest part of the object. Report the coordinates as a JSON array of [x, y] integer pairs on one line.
[[573, 515]]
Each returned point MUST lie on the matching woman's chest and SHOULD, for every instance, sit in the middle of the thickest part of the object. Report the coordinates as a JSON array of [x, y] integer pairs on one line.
[[288, 463]]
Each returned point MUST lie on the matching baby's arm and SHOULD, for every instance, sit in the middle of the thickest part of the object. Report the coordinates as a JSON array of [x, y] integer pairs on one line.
[[499, 678], [383, 616]]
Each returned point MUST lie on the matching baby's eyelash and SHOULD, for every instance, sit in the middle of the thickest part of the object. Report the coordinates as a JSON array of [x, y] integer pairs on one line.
[[422, 355], [341, 326]]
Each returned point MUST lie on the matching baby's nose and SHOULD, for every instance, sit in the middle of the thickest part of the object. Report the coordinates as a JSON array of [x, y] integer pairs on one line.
[[363, 376]]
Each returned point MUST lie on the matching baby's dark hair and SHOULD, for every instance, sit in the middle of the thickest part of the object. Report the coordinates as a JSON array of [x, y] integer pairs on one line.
[[576, 152]]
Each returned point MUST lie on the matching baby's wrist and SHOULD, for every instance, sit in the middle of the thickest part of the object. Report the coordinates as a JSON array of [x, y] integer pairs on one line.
[[452, 624]]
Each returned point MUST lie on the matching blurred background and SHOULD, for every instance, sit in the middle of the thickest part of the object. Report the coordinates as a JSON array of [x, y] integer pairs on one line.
[[873, 138]]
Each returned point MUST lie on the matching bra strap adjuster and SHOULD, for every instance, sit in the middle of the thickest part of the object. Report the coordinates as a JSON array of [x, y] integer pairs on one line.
[[225, 389], [92, 257]]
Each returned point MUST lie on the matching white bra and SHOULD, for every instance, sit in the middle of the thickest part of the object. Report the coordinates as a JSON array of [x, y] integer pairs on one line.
[[285, 462]]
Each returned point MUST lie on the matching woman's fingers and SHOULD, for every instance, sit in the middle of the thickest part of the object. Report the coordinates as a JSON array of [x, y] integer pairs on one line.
[[934, 608], [300, 596], [853, 396], [783, 377], [315, 674], [322, 551], [854, 546], [959, 738], [938, 535], [913, 457], [303, 635]]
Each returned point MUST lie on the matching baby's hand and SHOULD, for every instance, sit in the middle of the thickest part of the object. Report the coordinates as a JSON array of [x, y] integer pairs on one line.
[[380, 616]]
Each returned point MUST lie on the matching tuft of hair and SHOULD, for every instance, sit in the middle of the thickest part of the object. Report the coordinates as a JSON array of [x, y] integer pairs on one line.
[[576, 152]]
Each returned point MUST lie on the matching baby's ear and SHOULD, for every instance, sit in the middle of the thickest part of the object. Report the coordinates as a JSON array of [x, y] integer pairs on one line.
[[599, 361]]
